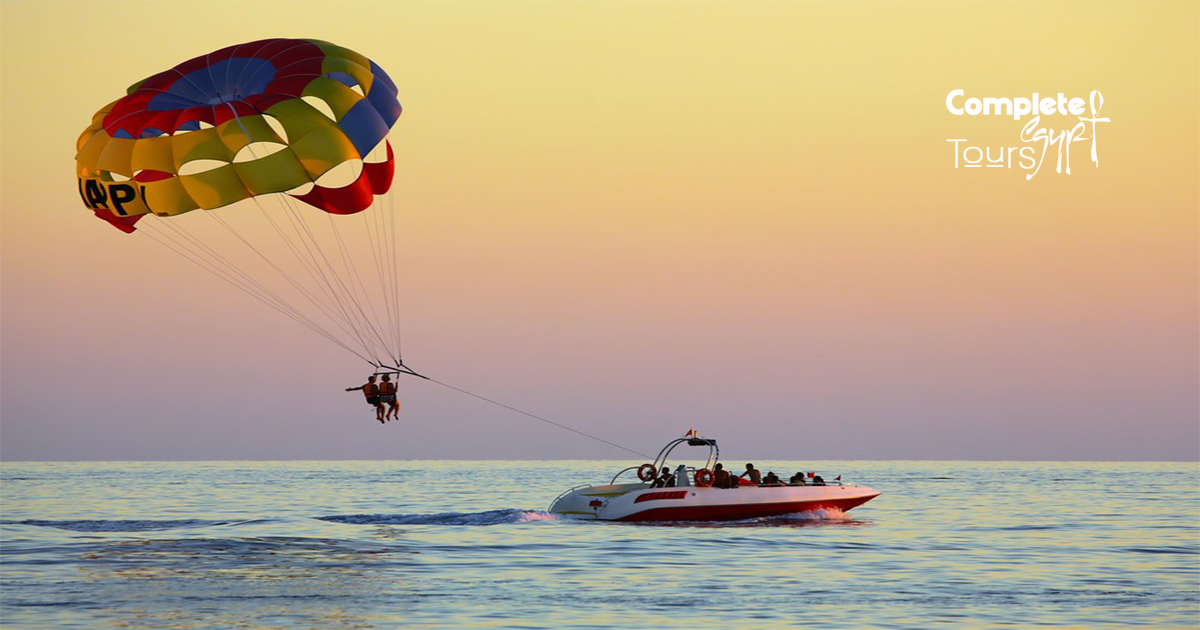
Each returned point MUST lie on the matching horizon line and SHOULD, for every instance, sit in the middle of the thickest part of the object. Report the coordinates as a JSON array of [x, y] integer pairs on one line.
[[586, 459]]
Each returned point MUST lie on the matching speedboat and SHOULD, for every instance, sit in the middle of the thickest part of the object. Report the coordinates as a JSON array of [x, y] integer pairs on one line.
[[693, 496]]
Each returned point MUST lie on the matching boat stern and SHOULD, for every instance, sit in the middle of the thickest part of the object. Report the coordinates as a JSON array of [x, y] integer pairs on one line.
[[586, 502]]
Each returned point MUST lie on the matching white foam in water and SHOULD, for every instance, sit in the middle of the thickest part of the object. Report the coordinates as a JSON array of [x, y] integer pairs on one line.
[[827, 515], [535, 515]]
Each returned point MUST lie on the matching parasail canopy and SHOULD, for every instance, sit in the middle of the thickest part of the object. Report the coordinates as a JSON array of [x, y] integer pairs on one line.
[[215, 108], [272, 121]]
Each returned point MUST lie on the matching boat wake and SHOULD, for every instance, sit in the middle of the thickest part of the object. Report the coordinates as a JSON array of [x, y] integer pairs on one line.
[[826, 515], [810, 518], [119, 525], [491, 517]]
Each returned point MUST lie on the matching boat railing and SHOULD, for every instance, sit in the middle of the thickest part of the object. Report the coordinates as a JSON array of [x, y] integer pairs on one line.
[[691, 476], [568, 491], [831, 484], [622, 472], [690, 472]]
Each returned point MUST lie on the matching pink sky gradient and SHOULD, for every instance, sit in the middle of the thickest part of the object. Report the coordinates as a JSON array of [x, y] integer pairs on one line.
[[709, 221]]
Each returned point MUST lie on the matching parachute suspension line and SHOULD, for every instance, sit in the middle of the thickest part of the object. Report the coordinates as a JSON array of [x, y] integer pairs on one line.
[[247, 285], [356, 281], [391, 204], [321, 277], [281, 306], [325, 309], [299, 219], [205, 261], [214, 259], [369, 325], [526, 413], [382, 210], [381, 257], [320, 281], [322, 306], [379, 270], [387, 257]]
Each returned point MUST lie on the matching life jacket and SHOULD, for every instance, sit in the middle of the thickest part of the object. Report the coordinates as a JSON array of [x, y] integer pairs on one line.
[[387, 388], [370, 389]]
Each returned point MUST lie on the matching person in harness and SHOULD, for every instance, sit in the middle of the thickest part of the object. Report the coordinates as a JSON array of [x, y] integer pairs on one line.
[[387, 396], [371, 391]]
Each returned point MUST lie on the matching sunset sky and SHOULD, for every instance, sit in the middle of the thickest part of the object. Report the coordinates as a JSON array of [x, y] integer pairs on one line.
[[639, 217]]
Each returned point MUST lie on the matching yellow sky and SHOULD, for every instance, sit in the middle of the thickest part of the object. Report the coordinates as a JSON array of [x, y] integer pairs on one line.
[[602, 198]]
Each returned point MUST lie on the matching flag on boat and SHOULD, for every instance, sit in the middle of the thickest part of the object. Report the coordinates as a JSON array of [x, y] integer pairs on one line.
[[691, 434]]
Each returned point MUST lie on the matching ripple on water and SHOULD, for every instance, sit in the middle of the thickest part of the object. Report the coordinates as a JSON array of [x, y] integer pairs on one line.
[[91, 525], [325, 545], [490, 517]]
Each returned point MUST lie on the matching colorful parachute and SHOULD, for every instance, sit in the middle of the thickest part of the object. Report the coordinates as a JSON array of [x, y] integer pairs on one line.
[[133, 159], [270, 121]]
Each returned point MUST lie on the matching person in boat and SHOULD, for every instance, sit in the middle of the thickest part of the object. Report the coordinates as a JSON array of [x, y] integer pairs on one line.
[[720, 476], [755, 476], [797, 480], [818, 481], [371, 391], [771, 479], [663, 478], [387, 396]]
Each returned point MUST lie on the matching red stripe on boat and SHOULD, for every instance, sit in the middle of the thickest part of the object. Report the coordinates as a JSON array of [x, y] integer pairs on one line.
[[737, 512], [655, 496]]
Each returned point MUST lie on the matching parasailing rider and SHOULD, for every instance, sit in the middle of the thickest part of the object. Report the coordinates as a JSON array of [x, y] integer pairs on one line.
[[371, 391], [387, 396]]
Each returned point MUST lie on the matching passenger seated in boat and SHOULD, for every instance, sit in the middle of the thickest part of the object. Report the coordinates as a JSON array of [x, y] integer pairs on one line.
[[720, 476], [771, 479], [818, 481], [664, 480], [755, 476], [797, 480]]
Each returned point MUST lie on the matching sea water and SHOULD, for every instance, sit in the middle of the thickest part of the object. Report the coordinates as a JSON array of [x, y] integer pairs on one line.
[[469, 544]]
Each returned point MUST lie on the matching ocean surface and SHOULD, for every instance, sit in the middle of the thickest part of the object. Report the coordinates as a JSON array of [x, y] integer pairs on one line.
[[335, 545]]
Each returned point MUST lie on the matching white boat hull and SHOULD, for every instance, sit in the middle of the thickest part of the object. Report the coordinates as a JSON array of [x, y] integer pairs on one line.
[[639, 502]]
